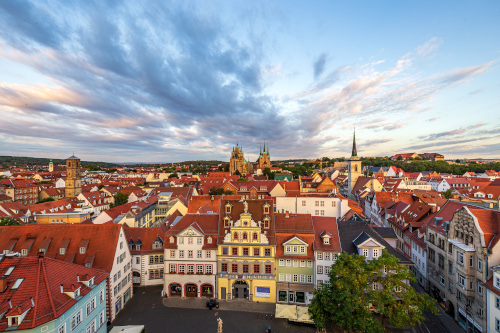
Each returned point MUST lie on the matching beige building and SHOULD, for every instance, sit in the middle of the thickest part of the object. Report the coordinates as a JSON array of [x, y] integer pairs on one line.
[[472, 251], [354, 168], [73, 180]]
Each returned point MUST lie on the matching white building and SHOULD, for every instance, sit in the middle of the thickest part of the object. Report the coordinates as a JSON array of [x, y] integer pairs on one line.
[[146, 246], [326, 248], [190, 256], [316, 206]]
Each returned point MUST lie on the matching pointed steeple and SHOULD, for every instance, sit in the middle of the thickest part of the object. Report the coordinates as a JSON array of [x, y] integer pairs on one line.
[[354, 151], [260, 149], [268, 153], [264, 146]]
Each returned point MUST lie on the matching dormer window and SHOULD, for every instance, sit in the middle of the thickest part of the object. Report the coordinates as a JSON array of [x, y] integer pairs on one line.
[[209, 240], [137, 247], [16, 284], [77, 292], [228, 208], [326, 240], [62, 251], [24, 252], [226, 222], [171, 239], [82, 250], [266, 223]]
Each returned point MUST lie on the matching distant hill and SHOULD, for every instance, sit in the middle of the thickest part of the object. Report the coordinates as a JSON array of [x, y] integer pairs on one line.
[[20, 161]]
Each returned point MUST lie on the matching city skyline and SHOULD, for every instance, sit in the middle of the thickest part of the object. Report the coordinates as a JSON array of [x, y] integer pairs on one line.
[[125, 82]]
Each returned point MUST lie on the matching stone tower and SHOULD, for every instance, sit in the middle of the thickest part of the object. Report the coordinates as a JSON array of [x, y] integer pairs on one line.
[[264, 160], [354, 167], [51, 166], [237, 161], [73, 180]]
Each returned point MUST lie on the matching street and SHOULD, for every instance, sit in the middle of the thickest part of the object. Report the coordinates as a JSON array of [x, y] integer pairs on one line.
[[146, 308]]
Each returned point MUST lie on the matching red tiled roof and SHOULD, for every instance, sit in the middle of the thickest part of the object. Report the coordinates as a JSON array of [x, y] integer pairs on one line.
[[328, 224], [489, 222], [206, 224], [42, 280], [102, 241], [212, 201], [147, 237]]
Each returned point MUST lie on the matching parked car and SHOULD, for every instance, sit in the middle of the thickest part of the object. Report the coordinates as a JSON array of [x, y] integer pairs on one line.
[[212, 303]]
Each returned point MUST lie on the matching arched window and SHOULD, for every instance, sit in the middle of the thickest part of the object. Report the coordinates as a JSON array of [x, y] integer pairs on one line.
[[235, 235], [254, 236], [266, 223], [356, 168], [245, 235], [226, 222]]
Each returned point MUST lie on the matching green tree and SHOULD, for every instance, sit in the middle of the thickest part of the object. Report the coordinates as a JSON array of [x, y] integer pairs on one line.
[[400, 158], [173, 175], [4, 221], [345, 301], [45, 200], [186, 185], [448, 194], [100, 187], [120, 198], [237, 172], [242, 179], [226, 168], [219, 191]]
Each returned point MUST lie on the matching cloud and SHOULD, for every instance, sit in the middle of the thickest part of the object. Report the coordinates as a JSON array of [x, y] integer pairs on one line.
[[134, 82], [458, 131], [319, 65], [433, 119]]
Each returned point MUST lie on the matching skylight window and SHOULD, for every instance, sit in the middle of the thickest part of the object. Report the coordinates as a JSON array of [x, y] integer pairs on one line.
[[9, 270], [17, 284]]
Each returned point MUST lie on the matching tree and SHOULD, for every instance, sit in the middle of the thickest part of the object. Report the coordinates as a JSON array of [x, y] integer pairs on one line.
[[352, 280], [45, 200], [226, 168], [400, 158], [219, 191], [186, 185], [120, 198], [173, 175], [457, 161], [237, 172], [4, 221], [100, 187], [242, 179], [448, 194]]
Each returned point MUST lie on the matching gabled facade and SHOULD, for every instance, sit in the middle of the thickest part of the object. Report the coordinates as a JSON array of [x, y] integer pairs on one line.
[[326, 248], [190, 257], [246, 251], [295, 258]]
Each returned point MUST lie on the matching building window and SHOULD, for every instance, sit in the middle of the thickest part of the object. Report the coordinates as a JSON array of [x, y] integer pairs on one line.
[[288, 249], [266, 223], [256, 268], [320, 255], [235, 236], [268, 269], [172, 253], [224, 250], [320, 269], [256, 252], [235, 251], [303, 203], [281, 278], [199, 269], [245, 268], [245, 251], [190, 268], [460, 258], [267, 252], [199, 254], [295, 278], [281, 262], [479, 265], [181, 253], [365, 253], [91, 305], [288, 263], [172, 268], [295, 263], [441, 280], [302, 263], [254, 236], [208, 254], [245, 236], [375, 253], [76, 320], [471, 261], [309, 279], [223, 267], [479, 288], [190, 253], [182, 268], [497, 325], [461, 281], [234, 268], [302, 249]]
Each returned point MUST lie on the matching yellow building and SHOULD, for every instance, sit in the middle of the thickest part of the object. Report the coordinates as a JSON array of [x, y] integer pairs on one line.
[[68, 218], [238, 163], [246, 251]]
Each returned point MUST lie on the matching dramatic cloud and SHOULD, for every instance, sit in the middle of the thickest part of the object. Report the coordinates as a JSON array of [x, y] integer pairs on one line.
[[122, 81]]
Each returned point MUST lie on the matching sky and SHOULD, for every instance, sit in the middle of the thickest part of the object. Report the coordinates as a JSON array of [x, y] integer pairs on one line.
[[167, 81]]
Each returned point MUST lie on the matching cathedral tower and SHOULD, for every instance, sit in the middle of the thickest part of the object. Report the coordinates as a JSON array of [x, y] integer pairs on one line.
[[73, 180], [354, 167]]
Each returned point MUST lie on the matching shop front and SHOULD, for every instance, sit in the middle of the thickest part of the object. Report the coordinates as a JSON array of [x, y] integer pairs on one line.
[[468, 323]]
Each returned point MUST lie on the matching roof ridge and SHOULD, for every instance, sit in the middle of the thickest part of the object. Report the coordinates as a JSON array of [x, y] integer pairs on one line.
[[48, 289]]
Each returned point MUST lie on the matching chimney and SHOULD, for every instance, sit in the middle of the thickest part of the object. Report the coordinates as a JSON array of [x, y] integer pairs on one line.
[[287, 215], [3, 284], [62, 289]]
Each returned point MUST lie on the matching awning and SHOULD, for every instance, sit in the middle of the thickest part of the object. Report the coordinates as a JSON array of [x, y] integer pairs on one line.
[[286, 311], [128, 329]]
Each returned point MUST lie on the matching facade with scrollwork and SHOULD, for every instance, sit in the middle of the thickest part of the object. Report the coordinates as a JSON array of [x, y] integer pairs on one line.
[[246, 265]]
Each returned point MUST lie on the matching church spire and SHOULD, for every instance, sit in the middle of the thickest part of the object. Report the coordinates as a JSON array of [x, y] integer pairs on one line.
[[268, 153], [264, 146], [354, 151]]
